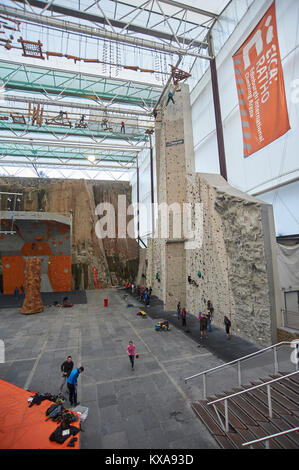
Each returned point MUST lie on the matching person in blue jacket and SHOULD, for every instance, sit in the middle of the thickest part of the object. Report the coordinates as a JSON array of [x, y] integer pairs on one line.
[[72, 385]]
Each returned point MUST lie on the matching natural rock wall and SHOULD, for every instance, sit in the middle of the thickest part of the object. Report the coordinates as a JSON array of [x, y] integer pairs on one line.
[[117, 259]]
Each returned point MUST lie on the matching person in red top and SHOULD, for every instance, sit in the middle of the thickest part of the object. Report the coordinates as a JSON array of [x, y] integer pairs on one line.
[[131, 352], [122, 128]]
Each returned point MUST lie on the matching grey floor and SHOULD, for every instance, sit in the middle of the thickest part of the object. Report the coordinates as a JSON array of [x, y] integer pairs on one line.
[[148, 408]]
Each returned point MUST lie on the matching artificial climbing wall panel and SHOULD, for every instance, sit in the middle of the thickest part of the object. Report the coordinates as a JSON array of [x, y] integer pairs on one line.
[[47, 240]]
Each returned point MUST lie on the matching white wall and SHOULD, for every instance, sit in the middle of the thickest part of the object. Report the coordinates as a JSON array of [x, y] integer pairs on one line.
[[145, 218], [279, 161]]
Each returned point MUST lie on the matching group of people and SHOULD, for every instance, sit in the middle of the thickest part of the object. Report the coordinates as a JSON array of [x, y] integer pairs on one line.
[[143, 294], [17, 291], [205, 320], [70, 377]]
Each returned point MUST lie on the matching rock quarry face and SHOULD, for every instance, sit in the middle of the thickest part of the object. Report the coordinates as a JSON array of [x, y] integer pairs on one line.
[[116, 260]]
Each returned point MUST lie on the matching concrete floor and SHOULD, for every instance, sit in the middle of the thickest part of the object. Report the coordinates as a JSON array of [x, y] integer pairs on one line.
[[148, 408]]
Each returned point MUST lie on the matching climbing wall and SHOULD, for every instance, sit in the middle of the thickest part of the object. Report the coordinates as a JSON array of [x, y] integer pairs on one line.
[[47, 239], [233, 260], [233, 265], [175, 164]]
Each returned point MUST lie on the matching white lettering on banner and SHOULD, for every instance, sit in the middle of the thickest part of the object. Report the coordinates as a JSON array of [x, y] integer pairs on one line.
[[295, 93], [260, 78]]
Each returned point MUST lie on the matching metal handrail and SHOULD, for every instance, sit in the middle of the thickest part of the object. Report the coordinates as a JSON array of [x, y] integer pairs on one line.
[[253, 388], [271, 436], [237, 360], [226, 398]]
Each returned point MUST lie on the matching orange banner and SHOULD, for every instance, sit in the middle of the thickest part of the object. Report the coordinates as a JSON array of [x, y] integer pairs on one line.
[[260, 85]]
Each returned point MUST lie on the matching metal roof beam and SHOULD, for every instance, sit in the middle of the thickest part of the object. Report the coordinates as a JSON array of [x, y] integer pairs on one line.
[[90, 166], [66, 104], [73, 144], [123, 38], [199, 11]]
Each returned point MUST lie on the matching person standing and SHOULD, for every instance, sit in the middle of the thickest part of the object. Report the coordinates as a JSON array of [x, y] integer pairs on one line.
[[227, 324], [131, 350], [184, 317], [66, 369], [209, 317], [203, 326], [72, 385], [178, 309], [122, 128]]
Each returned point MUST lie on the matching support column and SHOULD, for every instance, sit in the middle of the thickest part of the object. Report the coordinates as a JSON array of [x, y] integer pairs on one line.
[[217, 109], [138, 201], [152, 184], [175, 164]]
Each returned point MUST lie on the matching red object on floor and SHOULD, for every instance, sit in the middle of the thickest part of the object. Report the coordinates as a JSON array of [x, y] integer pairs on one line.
[[105, 302], [23, 427], [100, 286]]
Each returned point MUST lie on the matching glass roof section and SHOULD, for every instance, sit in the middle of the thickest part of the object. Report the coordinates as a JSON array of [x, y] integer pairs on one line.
[[88, 61]]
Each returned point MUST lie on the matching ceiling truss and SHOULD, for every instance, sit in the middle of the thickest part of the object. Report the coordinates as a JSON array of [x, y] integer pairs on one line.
[[74, 103]]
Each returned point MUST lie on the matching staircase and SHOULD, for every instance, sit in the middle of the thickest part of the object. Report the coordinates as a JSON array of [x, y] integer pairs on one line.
[[248, 414]]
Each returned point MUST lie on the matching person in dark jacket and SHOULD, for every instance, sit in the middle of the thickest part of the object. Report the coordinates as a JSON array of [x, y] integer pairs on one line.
[[184, 316], [178, 307], [72, 385], [203, 326], [66, 369], [227, 324]]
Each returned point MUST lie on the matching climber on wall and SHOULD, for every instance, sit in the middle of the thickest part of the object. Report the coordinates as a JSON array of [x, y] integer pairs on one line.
[[170, 97]]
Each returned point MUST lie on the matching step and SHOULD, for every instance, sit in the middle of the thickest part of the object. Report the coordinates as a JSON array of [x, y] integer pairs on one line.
[[255, 402], [286, 392], [261, 431], [236, 439], [233, 419], [252, 411], [289, 441], [224, 442], [281, 395], [277, 406], [242, 415], [291, 420], [250, 435], [266, 429], [214, 428], [289, 382], [294, 378], [210, 409]]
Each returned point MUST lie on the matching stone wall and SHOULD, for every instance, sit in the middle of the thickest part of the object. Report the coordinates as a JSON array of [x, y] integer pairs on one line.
[[113, 259]]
